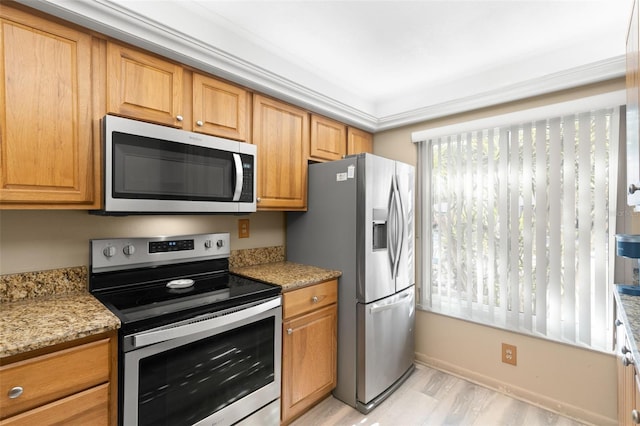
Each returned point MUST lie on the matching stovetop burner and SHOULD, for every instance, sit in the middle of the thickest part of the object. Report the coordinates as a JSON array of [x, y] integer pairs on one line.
[[149, 282]]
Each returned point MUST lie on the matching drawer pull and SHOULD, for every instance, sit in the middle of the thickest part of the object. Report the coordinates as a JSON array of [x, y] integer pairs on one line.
[[289, 331], [15, 392], [635, 416], [627, 361], [314, 299]]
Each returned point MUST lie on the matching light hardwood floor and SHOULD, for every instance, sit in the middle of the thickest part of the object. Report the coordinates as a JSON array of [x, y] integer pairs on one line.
[[431, 397]]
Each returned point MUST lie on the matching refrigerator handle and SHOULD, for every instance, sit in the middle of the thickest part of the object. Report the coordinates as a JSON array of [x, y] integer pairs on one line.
[[400, 236], [377, 307], [391, 230], [398, 227]]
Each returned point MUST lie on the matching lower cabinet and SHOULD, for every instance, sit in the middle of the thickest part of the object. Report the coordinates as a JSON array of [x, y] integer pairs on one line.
[[628, 379], [71, 386], [309, 347]]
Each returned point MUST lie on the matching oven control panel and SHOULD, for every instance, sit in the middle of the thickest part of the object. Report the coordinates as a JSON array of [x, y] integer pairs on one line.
[[171, 245], [128, 253]]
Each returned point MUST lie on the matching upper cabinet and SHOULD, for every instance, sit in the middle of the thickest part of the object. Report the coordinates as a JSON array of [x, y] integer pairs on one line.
[[328, 139], [47, 145], [633, 114], [220, 108], [281, 133], [147, 87], [332, 140], [359, 141], [143, 86]]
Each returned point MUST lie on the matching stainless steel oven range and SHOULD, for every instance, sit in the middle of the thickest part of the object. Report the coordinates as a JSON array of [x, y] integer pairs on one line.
[[197, 344]]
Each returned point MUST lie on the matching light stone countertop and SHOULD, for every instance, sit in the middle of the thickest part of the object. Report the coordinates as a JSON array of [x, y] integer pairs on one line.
[[288, 275]]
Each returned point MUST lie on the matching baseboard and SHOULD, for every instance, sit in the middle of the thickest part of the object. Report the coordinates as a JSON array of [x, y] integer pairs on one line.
[[576, 413]]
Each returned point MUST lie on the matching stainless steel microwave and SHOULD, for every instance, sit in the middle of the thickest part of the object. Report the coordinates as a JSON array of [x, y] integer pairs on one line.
[[153, 169]]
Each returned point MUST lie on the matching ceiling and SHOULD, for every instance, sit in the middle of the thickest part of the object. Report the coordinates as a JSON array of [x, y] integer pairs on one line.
[[376, 64]]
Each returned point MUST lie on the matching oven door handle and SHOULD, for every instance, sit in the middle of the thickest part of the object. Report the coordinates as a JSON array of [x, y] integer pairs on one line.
[[198, 325], [237, 192]]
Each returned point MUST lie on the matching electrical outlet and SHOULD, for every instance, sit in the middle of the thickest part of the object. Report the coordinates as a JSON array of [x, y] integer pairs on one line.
[[243, 228], [509, 354]]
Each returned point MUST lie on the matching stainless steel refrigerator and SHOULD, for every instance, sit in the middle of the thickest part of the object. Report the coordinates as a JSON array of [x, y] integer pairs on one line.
[[360, 220]]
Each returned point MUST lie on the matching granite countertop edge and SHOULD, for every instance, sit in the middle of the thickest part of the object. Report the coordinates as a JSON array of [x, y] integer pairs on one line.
[[36, 323], [288, 275]]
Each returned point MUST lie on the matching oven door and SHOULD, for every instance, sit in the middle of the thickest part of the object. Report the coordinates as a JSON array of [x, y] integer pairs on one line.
[[209, 370]]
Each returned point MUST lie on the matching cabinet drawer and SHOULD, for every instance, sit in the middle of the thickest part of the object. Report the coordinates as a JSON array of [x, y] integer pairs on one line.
[[53, 376], [306, 299], [90, 407]]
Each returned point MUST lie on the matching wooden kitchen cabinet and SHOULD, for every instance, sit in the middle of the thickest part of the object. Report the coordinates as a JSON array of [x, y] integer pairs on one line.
[[74, 385], [359, 141], [628, 380], [281, 133], [632, 108], [219, 108], [309, 347], [48, 151], [144, 86], [328, 139], [150, 88]]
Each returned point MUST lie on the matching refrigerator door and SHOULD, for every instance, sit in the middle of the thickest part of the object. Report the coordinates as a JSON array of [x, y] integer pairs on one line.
[[405, 179], [375, 180], [385, 343]]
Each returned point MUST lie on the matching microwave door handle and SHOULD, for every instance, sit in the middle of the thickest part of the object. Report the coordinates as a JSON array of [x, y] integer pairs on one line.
[[239, 177]]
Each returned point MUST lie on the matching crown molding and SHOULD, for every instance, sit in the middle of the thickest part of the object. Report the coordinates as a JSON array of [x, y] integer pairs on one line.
[[575, 77], [110, 18]]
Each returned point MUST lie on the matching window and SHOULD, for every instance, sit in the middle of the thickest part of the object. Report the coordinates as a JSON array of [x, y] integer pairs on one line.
[[518, 225]]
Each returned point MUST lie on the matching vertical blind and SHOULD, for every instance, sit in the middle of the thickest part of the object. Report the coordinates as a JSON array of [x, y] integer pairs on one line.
[[519, 226]]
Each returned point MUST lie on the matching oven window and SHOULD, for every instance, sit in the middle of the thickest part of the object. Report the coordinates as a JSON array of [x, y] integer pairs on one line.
[[149, 168], [189, 383]]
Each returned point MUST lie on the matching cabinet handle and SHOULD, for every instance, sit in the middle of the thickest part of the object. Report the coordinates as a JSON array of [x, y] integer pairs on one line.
[[258, 200], [314, 299], [635, 416], [15, 392], [633, 188], [625, 350], [179, 117], [199, 123], [627, 361], [618, 322], [289, 331]]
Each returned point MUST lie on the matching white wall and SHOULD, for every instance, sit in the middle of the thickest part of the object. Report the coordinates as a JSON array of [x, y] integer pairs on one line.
[[577, 382], [35, 240]]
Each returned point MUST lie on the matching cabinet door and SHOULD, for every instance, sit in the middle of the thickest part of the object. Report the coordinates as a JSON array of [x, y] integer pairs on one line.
[[46, 154], [143, 86], [219, 109], [328, 139], [281, 133], [309, 345], [359, 141], [633, 113], [90, 407]]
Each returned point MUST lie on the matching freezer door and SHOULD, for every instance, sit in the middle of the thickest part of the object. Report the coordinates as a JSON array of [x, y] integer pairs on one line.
[[375, 180], [405, 275], [385, 343]]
